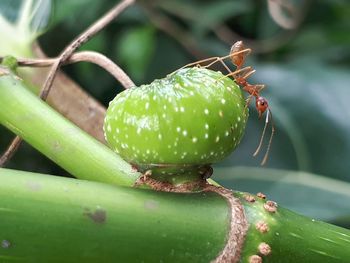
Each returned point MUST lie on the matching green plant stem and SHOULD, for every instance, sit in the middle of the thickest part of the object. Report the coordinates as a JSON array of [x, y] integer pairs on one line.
[[57, 138], [55, 219], [294, 238]]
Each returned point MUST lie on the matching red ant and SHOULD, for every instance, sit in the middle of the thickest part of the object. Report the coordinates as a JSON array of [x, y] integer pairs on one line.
[[237, 56]]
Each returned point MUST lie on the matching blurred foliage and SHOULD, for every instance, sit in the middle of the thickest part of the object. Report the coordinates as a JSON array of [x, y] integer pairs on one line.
[[305, 69]]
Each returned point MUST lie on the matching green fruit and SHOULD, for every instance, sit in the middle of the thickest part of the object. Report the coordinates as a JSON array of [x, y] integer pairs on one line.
[[193, 117]]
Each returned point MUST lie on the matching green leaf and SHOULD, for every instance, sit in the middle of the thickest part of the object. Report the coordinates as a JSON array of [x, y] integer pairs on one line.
[[310, 194], [21, 22], [135, 49]]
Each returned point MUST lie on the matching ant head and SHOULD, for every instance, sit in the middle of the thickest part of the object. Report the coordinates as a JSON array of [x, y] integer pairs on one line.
[[261, 105]]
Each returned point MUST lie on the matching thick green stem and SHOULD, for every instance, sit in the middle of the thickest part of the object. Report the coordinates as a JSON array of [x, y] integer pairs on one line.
[[54, 219], [57, 138], [292, 237]]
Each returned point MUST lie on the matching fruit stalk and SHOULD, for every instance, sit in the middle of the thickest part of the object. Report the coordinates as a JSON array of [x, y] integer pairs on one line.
[[55, 219]]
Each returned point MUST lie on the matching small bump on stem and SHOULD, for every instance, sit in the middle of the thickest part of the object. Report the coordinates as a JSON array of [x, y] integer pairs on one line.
[[249, 198], [261, 195], [270, 206], [255, 259], [262, 226], [264, 249]]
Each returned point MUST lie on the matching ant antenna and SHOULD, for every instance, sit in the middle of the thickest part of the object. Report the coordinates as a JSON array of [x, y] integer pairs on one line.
[[268, 115]]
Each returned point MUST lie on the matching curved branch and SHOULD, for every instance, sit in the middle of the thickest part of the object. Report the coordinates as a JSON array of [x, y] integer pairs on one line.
[[83, 56]]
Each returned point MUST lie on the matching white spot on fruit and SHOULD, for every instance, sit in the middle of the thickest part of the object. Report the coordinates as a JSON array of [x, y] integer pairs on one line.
[[217, 139], [206, 111], [194, 139], [221, 114], [223, 101], [184, 133], [147, 105], [178, 129], [138, 130], [182, 109], [206, 126], [206, 136]]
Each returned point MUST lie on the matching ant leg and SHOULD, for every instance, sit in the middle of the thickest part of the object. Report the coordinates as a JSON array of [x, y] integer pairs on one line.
[[221, 59], [222, 63], [231, 55], [212, 60], [236, 72], [249, 69], [249, 99], [260, 87], [249, 74]]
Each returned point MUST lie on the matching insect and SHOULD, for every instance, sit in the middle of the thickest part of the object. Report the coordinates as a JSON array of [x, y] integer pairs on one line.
[[237, 56]]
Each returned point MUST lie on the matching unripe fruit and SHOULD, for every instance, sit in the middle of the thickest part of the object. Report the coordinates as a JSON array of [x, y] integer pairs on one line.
[[195, 116]]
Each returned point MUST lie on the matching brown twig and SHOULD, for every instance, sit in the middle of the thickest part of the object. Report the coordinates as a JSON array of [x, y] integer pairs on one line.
[[66, 53], [10, 151], [80, 40], [69, 99], [170, 27], [83, 56]]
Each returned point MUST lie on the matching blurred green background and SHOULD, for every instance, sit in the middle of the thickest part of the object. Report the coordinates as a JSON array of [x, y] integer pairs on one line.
[[301, 51]]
